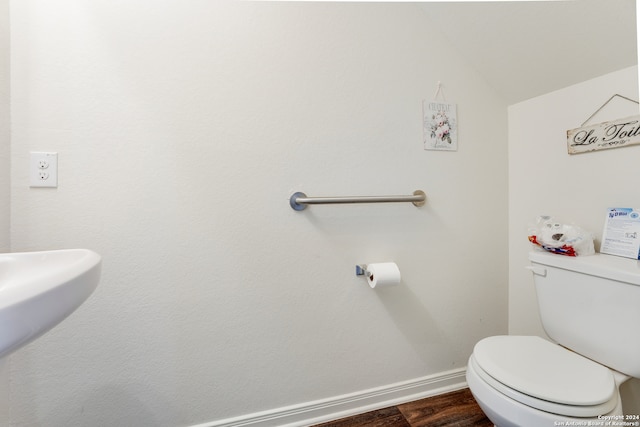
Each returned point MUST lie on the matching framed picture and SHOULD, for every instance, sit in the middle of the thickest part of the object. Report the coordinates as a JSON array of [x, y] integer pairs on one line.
[[440, 126]]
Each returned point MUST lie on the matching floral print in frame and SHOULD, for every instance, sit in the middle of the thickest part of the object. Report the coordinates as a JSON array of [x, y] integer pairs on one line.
[[440, 126]]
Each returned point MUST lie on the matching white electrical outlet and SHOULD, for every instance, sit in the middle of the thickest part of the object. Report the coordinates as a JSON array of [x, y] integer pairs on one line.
[[43, 169]]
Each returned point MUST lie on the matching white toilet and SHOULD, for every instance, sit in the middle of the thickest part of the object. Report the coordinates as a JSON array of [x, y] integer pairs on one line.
[[590, 307]]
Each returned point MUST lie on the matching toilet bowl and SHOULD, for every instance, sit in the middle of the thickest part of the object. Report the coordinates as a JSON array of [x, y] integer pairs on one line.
[[587, 305], [522, 381]]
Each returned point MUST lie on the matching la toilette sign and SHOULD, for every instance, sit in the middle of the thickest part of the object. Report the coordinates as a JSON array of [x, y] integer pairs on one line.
[[613, 134]]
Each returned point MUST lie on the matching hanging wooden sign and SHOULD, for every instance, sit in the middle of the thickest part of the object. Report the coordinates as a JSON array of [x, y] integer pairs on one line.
[[612, 134]]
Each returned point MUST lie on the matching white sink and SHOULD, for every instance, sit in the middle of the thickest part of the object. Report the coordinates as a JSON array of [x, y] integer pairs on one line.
[[40, 289]]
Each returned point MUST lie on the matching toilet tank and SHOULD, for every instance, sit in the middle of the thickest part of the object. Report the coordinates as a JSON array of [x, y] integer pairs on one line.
[[591, 305]]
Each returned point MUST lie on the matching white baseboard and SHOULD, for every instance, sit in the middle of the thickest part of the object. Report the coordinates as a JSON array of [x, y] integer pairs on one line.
[[318, 411]]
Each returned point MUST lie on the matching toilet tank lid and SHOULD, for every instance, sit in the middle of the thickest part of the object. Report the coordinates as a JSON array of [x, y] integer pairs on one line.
[[601, 265], [539, 368]]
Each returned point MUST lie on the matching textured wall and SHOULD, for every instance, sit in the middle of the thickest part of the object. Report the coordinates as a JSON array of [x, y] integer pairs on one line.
[[182, 129]]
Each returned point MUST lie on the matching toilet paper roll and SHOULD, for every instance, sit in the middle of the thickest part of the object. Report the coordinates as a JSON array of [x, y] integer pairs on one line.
[[382, 275]]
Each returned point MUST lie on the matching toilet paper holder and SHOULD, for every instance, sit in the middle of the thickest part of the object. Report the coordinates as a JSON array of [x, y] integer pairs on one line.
[[380, 275], [361, 270]]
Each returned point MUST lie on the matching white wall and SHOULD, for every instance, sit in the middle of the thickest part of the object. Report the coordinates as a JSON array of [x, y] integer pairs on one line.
[[5, 144], [5, 161], [545, 180], [182, 129]]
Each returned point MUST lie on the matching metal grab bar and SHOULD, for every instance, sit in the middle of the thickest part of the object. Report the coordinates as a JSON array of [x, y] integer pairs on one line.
[[299, 201]]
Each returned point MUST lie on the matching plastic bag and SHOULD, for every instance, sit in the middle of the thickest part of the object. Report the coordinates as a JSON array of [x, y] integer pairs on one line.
[[559, 238]]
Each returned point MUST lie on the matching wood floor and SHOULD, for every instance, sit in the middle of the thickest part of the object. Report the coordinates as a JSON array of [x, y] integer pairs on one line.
[[455, 409]]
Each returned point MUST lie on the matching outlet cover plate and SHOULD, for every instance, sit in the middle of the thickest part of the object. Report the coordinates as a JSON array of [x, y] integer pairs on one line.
[[43, 169]]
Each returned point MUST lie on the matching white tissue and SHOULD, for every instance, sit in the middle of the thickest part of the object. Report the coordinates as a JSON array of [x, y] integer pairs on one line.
[[383, 275]]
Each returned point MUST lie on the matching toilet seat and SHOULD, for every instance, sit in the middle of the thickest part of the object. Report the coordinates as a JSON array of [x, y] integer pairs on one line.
[[545, 376]]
